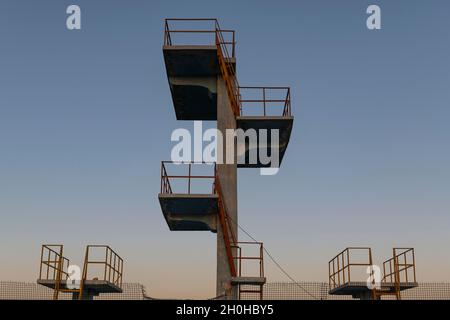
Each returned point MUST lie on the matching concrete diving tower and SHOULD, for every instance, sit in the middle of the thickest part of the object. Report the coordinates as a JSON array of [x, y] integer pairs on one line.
[[101, 273], [204, 86], [348, 274], [187, 210]]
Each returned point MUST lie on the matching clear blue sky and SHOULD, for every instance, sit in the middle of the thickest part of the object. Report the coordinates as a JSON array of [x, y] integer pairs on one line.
[[86, 117]]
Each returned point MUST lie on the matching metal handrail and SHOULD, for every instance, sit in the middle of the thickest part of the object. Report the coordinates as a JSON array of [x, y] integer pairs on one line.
[[113, 264], [214, 29], [166, 187], [52, 262], [239, 257], [399, 265], [283, 100], [57, 263], [339, 267], [227, 232]]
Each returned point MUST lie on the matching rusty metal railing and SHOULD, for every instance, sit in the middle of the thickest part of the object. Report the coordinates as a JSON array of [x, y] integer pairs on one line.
[[166, 187], [214, 28], [54, 267], [242, 259], [228, 235], [53, 264], [112, 264], [225, 51], [339, 268], [265, 99], [401, 267]]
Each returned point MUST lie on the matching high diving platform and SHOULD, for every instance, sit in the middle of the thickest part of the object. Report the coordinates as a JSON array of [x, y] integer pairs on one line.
[[192, 65]]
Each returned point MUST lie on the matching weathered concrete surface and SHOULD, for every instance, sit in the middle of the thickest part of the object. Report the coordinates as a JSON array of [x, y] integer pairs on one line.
[[283, 124], [194, 98], [192, 74], [191, 60], [228, 180], [190, 212]]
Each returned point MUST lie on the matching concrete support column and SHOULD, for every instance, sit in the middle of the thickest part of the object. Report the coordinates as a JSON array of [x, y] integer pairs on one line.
[[228, 178], [366, 295], [87, 295]]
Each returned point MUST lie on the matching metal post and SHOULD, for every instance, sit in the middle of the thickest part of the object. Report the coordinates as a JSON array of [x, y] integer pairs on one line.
[[189, 179], [264, 100]]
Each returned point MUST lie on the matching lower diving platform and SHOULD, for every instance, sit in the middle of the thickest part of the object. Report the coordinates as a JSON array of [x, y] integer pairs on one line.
[[349, 270], [101, 272]]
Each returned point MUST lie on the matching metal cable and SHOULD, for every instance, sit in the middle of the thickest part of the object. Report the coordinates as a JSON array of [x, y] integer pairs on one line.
[[275, 262]]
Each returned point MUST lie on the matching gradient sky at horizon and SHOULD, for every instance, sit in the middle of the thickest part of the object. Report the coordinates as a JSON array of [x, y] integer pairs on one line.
[[86, 118]]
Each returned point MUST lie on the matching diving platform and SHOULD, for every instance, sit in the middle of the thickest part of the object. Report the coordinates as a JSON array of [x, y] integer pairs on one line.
[[192, 69], [193, 61], [265, 109], [251, 281], [184, 207], [349, 270], [91, 287], [192, 74], [281, 123], [359, 288], [190, 212], [101, 272]]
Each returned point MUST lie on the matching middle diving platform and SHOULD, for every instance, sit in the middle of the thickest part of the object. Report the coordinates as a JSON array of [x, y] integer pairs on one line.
[[188, 200]]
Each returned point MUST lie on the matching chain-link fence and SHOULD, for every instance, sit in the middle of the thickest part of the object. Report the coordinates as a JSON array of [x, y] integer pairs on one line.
[[31, 291], [319, 291], [272, 291]]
